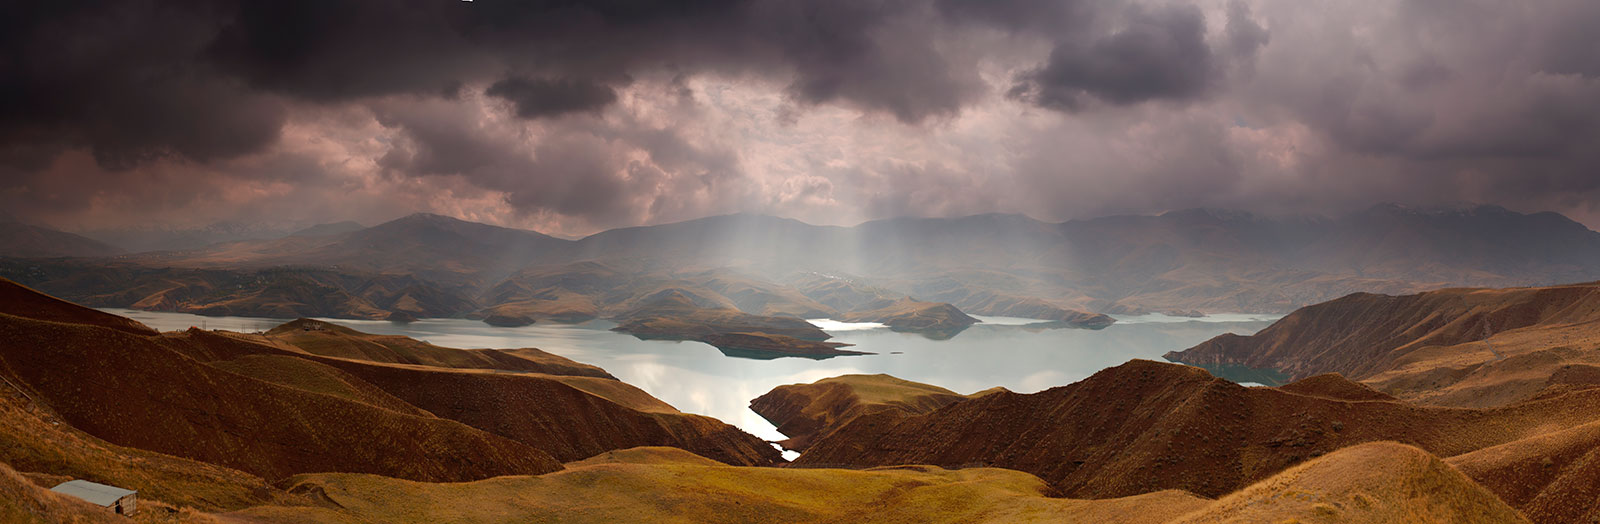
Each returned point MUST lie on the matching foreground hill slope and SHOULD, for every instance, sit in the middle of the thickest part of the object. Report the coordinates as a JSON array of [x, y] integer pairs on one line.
[[1371, 483], [1552, 478], [22, 502], [265, 406], [1146, 426], [807, 412], [1467, 347], [129, 389], [553, 416], [35, 441], [672, 486]]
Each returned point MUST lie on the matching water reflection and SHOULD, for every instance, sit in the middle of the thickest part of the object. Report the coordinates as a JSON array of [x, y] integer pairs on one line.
[[697, 378]]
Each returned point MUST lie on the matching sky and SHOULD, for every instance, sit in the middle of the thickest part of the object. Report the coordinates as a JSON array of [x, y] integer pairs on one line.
[[570, 117]]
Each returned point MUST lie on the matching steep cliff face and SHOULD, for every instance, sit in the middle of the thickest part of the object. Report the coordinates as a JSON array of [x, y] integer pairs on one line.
[[1146, 426]]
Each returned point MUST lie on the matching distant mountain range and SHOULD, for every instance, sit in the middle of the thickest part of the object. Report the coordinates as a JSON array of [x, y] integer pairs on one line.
[[27, 241], [1181, 262]]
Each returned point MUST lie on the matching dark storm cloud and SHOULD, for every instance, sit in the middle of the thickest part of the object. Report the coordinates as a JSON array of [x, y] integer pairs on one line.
[[538, 97], [140, 80], [121, 79], [1156, 53], [562, 107]]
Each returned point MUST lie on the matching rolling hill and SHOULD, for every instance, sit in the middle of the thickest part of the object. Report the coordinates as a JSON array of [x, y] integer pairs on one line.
[[807, 412], [274, 405], [1146, 426], [1456, 347]]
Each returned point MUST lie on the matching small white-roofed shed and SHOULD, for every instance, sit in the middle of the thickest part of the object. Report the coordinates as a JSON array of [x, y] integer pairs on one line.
[[123, 501]]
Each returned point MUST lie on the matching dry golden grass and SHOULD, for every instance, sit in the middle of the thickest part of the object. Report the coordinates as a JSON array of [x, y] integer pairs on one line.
[[315, 377], [673, 486], [1470, 375], [33, 440], [332, 340], [622, 393], [1380, 482], [807, 412], [1449, 347], [1553, 478], [22, 502]]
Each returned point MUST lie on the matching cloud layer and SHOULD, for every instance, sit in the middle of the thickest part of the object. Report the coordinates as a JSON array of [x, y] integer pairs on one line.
[[575, 116]]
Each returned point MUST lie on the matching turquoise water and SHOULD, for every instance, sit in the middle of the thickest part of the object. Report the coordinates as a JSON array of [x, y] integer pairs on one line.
[[697, 378]]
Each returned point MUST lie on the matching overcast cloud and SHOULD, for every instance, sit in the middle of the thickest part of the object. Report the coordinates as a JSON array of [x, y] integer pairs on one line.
[[569, 117]]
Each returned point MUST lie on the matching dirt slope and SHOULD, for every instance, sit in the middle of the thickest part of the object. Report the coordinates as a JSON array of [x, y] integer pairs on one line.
[[936, 319], [806, 412], [323, 338], [22, 502], [16, 299], [671, 486], [1459, 347], [564, 421], [33, 440], [1380, 482], [145, 392], [1146, 426], [1553, 478]]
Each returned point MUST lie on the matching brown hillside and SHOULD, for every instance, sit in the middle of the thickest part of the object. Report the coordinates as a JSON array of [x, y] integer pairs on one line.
[[762, 345], [676, 314], [145, 392], [1461, 347], [1146, 426], [571, 417], [327, 339], [21, 502], [1334, 386], [669, 486], [258, 404], [1553, 478], [565, 421], [16, 299], [934, 318], [806, 412], [1376, 483], [33, 440], [315, 377]]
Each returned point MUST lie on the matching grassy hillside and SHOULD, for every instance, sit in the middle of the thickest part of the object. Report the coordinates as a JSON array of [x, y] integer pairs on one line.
[[1146, 426], [671, 486], [807, 412]]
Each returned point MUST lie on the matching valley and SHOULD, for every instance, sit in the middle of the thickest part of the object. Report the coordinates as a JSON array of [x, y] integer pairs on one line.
[[1138, 442]]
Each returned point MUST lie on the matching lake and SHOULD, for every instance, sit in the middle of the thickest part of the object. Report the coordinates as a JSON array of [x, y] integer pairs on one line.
[[697, 378]]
